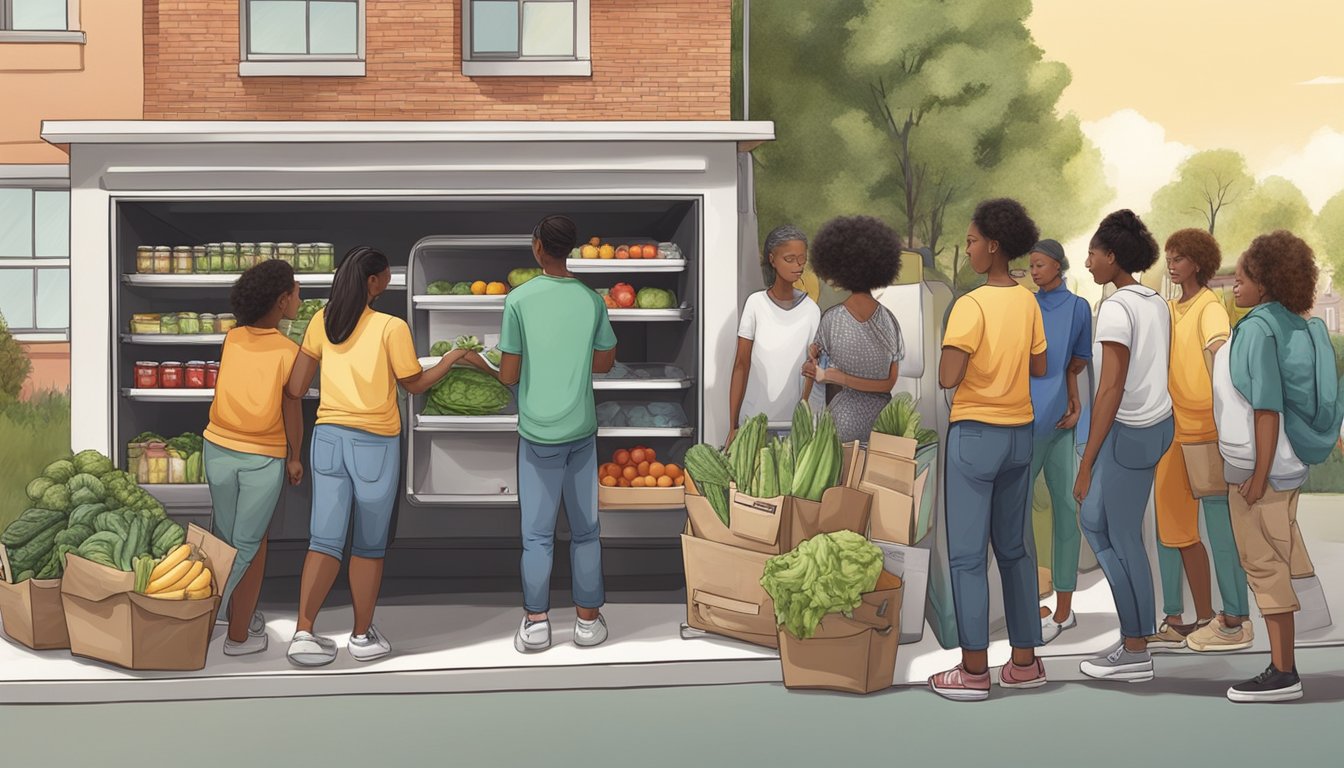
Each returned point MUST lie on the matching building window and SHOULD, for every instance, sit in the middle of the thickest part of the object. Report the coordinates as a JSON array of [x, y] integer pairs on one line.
[[302, 38], [40, 21], [35, 260], [527, 38]]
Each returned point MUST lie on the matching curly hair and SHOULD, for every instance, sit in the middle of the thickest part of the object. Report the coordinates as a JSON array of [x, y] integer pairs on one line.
[[777, 237], [257, 290], [1198, 246], [1005, 220], [1125, 235], [1285, 267], [857, 253]]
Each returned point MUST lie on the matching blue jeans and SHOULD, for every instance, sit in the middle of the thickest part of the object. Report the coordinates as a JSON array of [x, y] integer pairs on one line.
[[988, 495], [547, 474], [244, 489], [353, 467], [1112, 517]]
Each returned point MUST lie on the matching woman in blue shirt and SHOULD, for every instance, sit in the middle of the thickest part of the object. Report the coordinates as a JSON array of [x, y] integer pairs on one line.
[[1057, 406]]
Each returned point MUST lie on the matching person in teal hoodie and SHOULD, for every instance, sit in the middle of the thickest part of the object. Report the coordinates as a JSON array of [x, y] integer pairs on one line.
[[1278, 403]]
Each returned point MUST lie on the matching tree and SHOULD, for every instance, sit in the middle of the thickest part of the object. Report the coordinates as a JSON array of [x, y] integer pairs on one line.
[[1330, 232], [1275, 203], [14, 366], [1206, 184], [913, 111]]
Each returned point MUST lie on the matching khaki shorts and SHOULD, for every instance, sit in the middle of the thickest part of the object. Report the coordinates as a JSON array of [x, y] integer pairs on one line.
[[1271, 548]]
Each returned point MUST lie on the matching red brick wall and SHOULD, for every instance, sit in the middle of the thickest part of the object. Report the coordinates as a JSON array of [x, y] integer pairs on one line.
[[652, 59], [51, 368]]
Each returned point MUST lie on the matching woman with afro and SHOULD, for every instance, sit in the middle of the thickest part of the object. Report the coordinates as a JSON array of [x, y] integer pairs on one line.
[[993, 346], [858, 254], [1132, 428]]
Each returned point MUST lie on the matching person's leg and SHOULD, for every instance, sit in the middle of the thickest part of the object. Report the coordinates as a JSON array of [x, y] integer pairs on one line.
[[1264, 535], [579, 490], [376, 461], [246, 595], [1039, 449], [1017, 565], [221, 477], [1096, 522], [1226, 561], [1167, 500], [259, 490], [974, 455], [541, 472], [1061, 471], [333, 493]]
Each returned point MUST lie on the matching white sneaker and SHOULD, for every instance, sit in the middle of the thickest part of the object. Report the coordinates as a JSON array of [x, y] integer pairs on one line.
[[1050, 629], [588, 634], [309, 650], [1120, 664], [532, 636], [369, 646], [253, 644], [255, 628]]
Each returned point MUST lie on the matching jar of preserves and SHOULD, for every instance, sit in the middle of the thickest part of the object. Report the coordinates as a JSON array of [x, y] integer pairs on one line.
[[247, 256], [211, 374], [207, 322], [146, 323], [168, 324], [324, 257], [199, 259], [225, 323], [182, 260], [144, 259], [146, 375], [194, 374], [188, 323], [287, 253], [170, 375], [163, 260], [230, 257], [214, 253], [153, 465], [265, 252], [305, 262]]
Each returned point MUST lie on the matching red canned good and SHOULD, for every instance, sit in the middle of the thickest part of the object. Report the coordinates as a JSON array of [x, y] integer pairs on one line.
[[170, 375], [146, 375], [195, 374], [211, 374]]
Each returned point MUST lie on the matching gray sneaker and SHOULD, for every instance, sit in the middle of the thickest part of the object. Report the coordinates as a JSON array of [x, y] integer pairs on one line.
[[1120, 664], [588, 634], [369, 646], [255, 628], [309, 650], [532, 636]]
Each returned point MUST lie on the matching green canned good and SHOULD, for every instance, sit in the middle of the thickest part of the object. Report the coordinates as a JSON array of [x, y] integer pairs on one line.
[[230, 257], [324, 257], [287, 253], [200, 259], [207, 322], [265, 252], [215, 254], [247, 256], [306, 261]]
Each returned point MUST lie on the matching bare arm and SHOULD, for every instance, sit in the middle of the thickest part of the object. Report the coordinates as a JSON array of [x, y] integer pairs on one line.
[[422, 381], [737, 387], [860, 384], [1114, 370], [1075, 409], [291, 411], [301, 378], [1266, 444], [1038, 366], [603, 360], [510, 369], [1211, 352], [952, 367]]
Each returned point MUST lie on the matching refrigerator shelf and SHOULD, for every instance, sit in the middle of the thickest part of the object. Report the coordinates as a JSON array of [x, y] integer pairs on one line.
[[181, 395], [214, 280], [180, 495], [645, 431], [632, 385], [463, 500], [625, 266], [650, 315], [175, 339], [459, 303], [509, 423]]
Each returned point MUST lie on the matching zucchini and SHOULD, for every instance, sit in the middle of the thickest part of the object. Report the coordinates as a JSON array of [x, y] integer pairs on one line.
[[767, 477]]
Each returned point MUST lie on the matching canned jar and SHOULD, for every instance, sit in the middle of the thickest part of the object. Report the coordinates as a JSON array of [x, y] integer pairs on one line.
[[265, 252], [324, 257], [195, 374], [207, 322], [169, 324], [306, 261], [182, 260], [144, 259], [230, 257], [170, 375], [146, 375], [188, 323], [225, 323], [163, 260], [247, 256], [214, 253], [211, 374], [146, 323], [287, 252], [200, 259]]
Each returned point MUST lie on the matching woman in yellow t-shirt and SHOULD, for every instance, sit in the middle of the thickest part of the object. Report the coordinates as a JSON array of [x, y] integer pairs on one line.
[[252, 440], [994, 344], [356, 454]]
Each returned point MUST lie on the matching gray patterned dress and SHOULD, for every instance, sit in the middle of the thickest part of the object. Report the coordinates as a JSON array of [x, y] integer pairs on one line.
[[865, 350]]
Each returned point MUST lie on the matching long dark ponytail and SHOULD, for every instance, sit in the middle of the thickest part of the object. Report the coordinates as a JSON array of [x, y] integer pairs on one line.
[[350, 291]]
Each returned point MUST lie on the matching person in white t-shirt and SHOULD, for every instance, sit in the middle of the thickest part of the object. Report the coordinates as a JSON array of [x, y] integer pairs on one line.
[[1132, 427], [777, 325]]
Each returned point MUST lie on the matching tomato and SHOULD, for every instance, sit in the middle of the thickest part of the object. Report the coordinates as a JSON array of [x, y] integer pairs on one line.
[[624, 298]]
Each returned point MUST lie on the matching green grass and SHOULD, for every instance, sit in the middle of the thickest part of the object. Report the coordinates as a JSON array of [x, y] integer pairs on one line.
[[33, 434]]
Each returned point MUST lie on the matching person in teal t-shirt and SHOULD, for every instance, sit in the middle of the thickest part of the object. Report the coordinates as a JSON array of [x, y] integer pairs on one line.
[[555, 336]]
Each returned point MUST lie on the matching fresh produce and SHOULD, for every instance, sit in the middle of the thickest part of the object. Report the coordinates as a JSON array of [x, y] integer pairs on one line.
[[803, 425], [521, 275], [596, 249], [29, 525], [623, 295], [783, 454], [639, 467], [899, 417], [92, 463], [182, 574], [308, 309], [467, 392], [818, 468], [825, 574], [60, 471], [710, 471], [439, 288], [744, 451], [655, 298], [765, 484], [186, 459]]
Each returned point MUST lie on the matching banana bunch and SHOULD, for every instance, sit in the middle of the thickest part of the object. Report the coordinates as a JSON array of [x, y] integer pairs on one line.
[[181, 575]]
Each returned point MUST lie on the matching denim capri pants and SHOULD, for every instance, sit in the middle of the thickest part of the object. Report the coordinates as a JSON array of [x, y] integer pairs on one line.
[[353, 471]]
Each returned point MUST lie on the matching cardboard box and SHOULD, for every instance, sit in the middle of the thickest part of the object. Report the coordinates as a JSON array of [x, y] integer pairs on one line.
[[855, 655], [774, 526], [32, 614], [109, 622], [851, 464], [724, 595], [899, 517], [640, 498], [912, 565], [1045, 584], [891, 445]]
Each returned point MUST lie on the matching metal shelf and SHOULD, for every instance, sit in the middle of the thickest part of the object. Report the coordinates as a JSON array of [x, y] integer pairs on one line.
[[645, 431], [175, 339], [225, 279], [439, 303], [509, 423], [650, 315], [627, 266], [179, 494], [463, 500], [633, 385], [181, 395]]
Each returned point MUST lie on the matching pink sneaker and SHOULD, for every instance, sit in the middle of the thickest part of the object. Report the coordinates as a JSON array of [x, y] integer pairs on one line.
[[1013, 676], [959, 685]]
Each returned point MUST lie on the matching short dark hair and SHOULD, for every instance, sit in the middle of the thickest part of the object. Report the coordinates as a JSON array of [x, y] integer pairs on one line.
[[1005, 221], [857, 253], [557, 235], [1124, 234], [1200, 247], [1285, 266], [257, 290]]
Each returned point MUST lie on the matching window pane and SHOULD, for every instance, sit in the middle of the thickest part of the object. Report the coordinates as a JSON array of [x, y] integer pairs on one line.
[[16, 297], [39, 14], [333, 27], [53, 298], [548, 29], [51, 225], [494, 27], [277, 26], [16, 223]]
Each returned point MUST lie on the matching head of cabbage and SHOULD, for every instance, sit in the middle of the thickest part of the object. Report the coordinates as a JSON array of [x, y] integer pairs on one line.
[[467, 392]]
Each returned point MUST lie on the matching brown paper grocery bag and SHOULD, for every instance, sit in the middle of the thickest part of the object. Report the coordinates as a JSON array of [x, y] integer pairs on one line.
[[32, 614]]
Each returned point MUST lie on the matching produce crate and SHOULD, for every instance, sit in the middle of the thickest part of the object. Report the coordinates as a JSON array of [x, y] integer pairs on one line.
[[641, 498]]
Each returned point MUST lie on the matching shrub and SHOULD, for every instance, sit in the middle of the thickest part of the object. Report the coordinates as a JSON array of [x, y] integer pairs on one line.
[[14, 366]]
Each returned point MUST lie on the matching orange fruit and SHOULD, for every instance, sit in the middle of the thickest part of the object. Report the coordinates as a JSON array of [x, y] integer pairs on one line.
[[630, 473], [623, 253], [622, 457], [664, 482], [657, 470], [496, 289], [606, 252], [622, 483], [638, 456], [609, 481], [643, 469], [673, 471], [588, 252], [681, 481], [649, 455], [650, 251], [478, 288]]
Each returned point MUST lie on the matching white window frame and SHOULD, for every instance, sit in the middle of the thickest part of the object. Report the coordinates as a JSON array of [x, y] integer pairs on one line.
[[579, 65], [299, 65], [71, 33], [40, 178]]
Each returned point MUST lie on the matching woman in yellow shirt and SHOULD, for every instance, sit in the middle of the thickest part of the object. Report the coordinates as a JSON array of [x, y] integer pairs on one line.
[[993, 346], [253, 439], [356, 455]]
